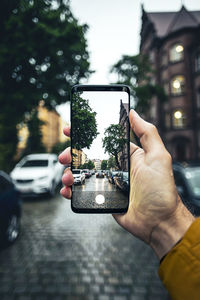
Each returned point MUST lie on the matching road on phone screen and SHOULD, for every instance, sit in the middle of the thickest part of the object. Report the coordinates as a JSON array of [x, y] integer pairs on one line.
[[61, 255], [85, 194]]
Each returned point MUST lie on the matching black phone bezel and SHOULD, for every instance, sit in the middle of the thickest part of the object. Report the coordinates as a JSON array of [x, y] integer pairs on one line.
[[103, 88]]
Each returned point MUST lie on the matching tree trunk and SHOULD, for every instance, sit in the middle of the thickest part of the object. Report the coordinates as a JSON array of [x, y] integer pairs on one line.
[[117, 161]]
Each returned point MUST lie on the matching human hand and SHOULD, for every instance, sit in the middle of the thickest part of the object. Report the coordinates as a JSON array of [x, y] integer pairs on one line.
[[67, 179], [156, 213]]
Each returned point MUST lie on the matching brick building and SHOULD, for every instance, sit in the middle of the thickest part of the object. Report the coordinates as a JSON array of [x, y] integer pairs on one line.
[[52, 130], [172, 42], [124, 121]]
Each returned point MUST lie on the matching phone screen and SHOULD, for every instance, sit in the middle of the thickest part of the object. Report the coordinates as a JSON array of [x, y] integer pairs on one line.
[[100, 148]]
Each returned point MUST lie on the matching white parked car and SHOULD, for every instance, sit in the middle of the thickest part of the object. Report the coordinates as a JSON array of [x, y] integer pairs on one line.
[[79, 176], [37, 174]]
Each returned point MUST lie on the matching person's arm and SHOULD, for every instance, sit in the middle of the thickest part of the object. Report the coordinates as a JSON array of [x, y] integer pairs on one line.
[[180, 268], [156, 213]]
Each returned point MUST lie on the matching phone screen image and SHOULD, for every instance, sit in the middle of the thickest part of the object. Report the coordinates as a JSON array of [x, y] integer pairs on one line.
[[100, 148]]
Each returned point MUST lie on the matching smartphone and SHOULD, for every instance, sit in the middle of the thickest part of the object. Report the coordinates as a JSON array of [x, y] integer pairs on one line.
[[100, 142]]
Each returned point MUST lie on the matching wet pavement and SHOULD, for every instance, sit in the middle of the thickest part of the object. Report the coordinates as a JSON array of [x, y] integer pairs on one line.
[[62, 255], [95, 187]]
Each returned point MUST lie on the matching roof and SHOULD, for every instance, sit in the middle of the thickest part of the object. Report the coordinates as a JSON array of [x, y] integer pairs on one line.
[[168, 22]]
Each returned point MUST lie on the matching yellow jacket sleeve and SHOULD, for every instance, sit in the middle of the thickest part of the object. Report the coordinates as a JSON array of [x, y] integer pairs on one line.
[[180, 269]]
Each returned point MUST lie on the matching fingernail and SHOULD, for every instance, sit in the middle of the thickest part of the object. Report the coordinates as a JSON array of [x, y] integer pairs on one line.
[[62, 190]]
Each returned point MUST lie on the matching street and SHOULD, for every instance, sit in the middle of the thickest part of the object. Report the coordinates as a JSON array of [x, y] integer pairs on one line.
[[94, 186], [62, 255]]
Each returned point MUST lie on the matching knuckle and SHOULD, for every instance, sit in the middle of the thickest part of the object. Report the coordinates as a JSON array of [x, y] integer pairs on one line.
[[152, 128]]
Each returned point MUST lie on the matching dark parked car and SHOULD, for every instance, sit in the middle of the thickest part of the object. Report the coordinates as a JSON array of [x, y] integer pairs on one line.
[[187, 179], [10, 210], [87, 173], [100, 174], [122, 182], [111, 176]]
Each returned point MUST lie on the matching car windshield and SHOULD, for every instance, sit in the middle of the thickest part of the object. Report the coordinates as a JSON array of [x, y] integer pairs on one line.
[[193, 177], [76, 171], [35, 163]]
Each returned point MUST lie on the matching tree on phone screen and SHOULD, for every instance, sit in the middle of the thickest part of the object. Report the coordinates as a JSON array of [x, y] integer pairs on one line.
[[84, 125], [114, 141]]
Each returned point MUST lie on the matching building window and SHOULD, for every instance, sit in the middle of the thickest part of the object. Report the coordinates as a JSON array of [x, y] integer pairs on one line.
[[179, 119], [197, 62], [178, 85], [176, 53]]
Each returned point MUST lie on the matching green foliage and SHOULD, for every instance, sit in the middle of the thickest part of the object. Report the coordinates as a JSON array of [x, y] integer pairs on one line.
[[34, 142], [114, 141], [84, 123], [136, 72], [61, 146], [111, 162], [83, 166], [89, 165], [43, 52], [104, 164]]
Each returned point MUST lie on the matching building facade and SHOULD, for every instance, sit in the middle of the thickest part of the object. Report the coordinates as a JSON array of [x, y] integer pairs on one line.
[[79, 158], [124, 122], [52, 130], [97, 164], [172, 42]]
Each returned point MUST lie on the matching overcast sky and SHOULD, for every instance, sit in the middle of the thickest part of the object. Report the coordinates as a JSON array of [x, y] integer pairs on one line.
[[107, 107], [114, 30]]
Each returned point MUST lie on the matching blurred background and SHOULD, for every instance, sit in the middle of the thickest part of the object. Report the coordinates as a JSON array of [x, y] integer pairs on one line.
[[47, 46]]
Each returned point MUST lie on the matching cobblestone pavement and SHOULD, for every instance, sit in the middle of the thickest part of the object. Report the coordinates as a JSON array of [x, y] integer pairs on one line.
[[62, 255]]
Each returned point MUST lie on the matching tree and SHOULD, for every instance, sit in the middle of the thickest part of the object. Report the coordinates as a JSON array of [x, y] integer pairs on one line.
[[90, 165], [104, 164], [136, 72], [114, 141], [34, 141], [43, 52], [84, 123], [111, 162]]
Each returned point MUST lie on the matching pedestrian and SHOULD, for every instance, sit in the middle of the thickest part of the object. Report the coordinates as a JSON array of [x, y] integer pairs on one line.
[[156, 213]]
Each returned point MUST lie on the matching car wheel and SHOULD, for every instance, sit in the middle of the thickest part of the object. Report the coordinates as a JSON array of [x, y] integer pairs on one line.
[[13, 229]]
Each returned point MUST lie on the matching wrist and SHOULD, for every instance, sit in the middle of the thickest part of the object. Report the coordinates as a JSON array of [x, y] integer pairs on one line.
[[170, 231]]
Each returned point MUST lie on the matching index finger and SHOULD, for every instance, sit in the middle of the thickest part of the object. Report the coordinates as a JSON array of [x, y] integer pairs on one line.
[[66, 130], [65, 157]]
